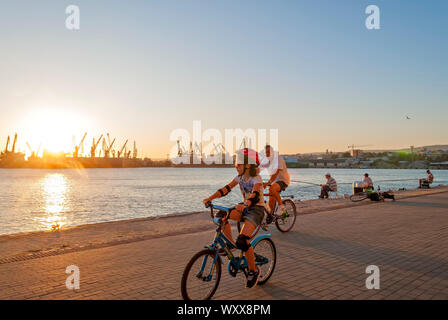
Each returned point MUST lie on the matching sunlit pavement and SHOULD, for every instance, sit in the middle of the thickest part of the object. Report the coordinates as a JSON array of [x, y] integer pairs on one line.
[[324, 257]]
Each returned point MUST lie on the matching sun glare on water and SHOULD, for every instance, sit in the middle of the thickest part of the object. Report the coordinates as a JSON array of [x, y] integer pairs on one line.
[[54, 193]]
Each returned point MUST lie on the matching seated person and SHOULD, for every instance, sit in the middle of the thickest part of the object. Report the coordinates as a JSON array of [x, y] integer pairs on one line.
[[429, 179], [331, 185], [367, 183]]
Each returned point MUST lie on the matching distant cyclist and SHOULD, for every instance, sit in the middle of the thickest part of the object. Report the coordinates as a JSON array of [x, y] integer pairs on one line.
[[279, 180], [252, 209]]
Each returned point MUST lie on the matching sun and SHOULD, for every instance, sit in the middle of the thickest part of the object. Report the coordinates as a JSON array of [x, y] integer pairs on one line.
[[53, 129]]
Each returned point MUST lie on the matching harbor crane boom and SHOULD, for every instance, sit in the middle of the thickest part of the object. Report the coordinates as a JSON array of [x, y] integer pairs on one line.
[[122, 148], [38, 149], [180, 149], [94, 146], [7, 144], [111, 145], [75, 154], [353, 146], [33, 153], [14, 143], [107, 148]]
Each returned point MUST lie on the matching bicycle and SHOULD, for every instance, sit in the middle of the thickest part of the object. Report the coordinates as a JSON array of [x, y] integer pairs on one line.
[[283, 223], [202, 274], [361, 196]]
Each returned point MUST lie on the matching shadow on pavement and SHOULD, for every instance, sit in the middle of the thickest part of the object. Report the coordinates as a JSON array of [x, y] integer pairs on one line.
[[367, 254], [420, 204], [280, 293]]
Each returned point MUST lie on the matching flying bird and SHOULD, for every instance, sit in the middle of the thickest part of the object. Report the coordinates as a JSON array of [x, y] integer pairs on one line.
[[407, 118]]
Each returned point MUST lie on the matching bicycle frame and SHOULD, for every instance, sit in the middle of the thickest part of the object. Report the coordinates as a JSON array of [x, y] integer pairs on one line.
[[221, 241], [276, 204]]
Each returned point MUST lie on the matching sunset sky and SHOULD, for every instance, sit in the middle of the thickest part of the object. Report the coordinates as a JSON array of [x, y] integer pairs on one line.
[[140, 69]]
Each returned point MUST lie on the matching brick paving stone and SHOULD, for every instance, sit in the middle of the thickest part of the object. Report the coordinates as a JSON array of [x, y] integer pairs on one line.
[[324, 257]]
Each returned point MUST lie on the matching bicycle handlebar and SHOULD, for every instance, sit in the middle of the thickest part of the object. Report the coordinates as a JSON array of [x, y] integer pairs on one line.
[[288, 196], [212, 206]]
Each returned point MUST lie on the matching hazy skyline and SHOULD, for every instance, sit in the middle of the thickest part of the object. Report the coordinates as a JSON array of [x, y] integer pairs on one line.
[[138, 70]]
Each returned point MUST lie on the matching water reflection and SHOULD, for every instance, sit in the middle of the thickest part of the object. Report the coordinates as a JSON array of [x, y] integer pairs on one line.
[[54, 193]]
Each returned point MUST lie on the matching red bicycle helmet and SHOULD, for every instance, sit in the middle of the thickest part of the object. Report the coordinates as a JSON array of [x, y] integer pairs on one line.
[[247, 156]]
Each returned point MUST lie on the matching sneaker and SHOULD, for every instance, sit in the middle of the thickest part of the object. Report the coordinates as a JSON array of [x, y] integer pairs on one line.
[[285, 214], [252, 278], [260, 258], [320, 197]]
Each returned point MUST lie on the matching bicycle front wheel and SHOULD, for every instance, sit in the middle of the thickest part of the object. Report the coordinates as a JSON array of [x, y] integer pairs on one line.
[[357, 197], [265, 259], [286, 223], [201, 276]]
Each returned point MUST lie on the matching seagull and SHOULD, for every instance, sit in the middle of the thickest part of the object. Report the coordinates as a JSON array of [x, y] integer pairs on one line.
[[407, 118]]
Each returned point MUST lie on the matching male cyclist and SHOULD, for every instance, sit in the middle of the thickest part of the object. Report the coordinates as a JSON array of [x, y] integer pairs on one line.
[[279, 180], [252, 209]]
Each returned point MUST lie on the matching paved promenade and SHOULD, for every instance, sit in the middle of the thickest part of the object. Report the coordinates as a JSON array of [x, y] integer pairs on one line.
[[324, 257]]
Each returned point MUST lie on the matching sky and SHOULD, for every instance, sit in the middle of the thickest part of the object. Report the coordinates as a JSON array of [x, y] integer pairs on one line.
[[141, 69]]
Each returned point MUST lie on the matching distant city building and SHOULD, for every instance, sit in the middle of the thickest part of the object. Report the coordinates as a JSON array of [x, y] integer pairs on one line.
[[291, 159], [355, 153], [329, 163], [439, 165]]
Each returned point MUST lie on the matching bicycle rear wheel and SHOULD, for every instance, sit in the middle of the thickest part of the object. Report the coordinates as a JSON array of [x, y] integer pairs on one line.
[[285, 224], [201, 276], [357, 197], [265, 259]]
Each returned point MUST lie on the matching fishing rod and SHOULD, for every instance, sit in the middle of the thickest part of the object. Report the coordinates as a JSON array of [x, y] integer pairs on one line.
[[377, 181]]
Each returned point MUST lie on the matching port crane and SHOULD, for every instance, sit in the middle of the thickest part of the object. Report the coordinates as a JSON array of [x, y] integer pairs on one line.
[[219, 148], [107, 147], [94, 146], [14, 143], [80, 145], [119, 153], [34, 154], [7, 144], [180, 149], [246, 143], [134, 151], [195, 150]]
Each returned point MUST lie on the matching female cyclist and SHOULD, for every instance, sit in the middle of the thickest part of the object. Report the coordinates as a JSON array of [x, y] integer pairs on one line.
[[251, 211]]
